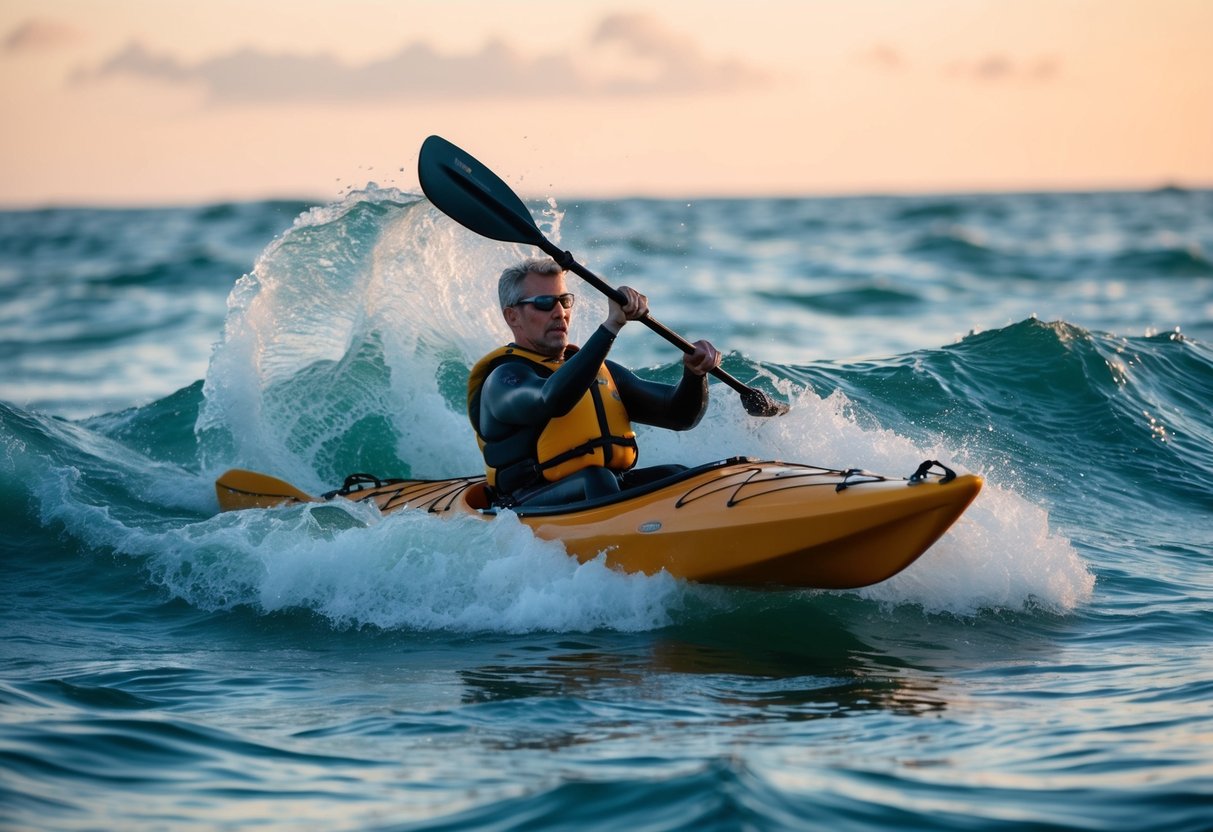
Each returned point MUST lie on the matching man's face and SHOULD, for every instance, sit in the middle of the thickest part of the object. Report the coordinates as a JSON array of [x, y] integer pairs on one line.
[[546, 333]]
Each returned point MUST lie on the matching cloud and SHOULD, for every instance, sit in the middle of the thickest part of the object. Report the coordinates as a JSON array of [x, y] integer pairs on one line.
[[675, 61], [998, 67], [40, 35], [884, 56], [250, 76], [418, 72], [995, 67]]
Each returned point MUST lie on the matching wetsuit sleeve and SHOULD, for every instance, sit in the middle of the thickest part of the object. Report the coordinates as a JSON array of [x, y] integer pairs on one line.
[[671, 406], [514, 394]]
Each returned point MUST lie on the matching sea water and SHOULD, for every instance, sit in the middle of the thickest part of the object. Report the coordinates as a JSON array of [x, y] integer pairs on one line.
[[1046, 664]]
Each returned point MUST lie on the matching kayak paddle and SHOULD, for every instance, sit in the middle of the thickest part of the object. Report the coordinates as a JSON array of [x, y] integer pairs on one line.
[[476, 198]]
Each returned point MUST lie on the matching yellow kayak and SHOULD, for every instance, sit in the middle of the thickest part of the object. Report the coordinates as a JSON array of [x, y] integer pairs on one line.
[[739, 521]]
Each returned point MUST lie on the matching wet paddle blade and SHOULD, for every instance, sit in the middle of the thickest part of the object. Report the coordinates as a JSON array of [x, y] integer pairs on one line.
[[472, 195], [758, 403]]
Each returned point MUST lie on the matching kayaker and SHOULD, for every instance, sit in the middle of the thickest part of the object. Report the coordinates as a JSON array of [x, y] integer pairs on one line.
[[554, 420]]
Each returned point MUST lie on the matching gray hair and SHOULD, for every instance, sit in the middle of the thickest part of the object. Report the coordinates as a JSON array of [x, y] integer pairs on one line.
[[509, 287]]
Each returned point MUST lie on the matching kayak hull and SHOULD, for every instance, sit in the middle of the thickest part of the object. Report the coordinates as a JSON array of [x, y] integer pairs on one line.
[[736, 522]]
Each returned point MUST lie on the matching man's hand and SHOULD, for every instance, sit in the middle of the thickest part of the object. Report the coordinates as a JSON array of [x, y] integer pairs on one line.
[[703, 360], [637, 307]]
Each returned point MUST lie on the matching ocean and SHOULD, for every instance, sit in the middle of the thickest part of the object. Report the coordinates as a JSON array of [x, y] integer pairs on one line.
[[1046, 665]]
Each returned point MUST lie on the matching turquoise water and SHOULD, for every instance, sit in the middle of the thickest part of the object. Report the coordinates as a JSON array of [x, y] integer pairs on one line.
[[1045, 665]]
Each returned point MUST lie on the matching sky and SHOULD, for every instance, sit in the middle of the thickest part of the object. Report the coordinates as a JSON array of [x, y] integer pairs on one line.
[[128, 102]]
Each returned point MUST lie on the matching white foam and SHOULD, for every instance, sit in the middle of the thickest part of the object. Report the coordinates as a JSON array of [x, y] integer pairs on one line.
[[355, 567]]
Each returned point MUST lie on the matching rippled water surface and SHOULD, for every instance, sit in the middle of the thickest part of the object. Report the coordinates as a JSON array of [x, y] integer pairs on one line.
[[1045, 665]]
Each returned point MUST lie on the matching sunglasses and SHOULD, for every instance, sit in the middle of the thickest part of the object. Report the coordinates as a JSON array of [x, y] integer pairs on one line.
[[546, 303]]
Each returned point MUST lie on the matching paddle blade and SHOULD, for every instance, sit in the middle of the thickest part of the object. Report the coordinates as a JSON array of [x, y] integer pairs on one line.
[[758, 403], [472, 195], [238, 489]]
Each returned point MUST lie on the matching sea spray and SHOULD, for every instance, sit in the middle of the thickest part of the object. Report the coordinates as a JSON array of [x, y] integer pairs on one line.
[[344, 325]]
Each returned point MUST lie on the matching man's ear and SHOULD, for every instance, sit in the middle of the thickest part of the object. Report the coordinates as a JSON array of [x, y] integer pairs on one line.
[[510, 313]]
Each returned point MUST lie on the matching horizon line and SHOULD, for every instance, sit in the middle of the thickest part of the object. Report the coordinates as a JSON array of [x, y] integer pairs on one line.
[[201, 201]]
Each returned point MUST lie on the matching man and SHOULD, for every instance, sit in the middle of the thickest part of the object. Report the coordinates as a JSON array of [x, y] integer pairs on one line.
[[553, 420]]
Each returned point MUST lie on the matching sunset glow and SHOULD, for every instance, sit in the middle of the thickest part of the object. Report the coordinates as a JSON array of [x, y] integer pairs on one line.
[[137, 102]]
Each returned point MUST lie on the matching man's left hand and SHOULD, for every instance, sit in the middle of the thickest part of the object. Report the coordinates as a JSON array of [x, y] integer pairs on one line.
[[703, 360]]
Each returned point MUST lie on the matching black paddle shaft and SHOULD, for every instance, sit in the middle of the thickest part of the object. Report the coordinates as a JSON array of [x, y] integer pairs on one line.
[[476, 198]]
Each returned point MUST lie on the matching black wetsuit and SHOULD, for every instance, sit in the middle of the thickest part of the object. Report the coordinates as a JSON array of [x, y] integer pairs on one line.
[[515, 397]]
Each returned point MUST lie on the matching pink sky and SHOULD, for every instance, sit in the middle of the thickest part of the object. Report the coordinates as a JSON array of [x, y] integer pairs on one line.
[[135, 101]]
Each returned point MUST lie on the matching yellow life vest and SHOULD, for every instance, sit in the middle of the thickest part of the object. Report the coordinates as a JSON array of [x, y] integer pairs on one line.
[[596, 432]]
